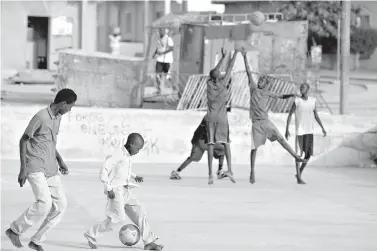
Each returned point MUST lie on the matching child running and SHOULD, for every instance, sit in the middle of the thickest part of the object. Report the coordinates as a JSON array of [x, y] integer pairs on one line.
[[217, 125], [116, 176], [305, 111], [199, 146], [262, 126]]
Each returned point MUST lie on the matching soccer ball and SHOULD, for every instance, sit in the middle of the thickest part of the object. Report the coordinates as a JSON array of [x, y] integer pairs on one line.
[[129, 235], [257, 18]]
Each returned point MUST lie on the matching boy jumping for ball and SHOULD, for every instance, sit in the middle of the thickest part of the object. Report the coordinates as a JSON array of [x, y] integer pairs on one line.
[[218, 126], [305, 111], [199, 146], [262, 126], [116, 176]]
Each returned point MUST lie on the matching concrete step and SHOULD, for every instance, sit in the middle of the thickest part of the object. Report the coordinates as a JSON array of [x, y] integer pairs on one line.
[[35, 77]]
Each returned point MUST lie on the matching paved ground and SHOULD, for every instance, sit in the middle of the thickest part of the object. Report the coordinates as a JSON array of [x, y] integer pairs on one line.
[[336, 210]]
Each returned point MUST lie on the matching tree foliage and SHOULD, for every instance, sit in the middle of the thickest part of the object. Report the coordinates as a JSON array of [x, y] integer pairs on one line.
[[322, 16], [364, 42]]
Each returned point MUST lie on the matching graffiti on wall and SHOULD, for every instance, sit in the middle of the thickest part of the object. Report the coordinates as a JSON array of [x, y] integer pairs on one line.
[[112, 132]]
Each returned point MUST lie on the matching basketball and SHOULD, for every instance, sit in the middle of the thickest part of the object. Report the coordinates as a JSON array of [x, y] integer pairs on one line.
[[257, 18], [129, 235]]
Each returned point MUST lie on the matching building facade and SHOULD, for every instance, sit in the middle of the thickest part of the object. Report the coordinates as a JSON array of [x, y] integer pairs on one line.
[[33, 32]]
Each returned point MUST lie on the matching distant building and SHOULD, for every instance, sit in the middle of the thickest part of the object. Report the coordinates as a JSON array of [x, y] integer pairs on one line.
[[364, 19], [33, 32]]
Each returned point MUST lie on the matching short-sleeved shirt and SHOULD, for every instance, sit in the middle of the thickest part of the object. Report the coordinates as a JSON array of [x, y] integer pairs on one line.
[[42, 130], [304, 115], [200, 132], [217, 97], [258, 104], [162, 45]]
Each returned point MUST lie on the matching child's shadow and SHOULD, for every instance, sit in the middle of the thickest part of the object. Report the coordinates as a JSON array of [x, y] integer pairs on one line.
[[75, 245]]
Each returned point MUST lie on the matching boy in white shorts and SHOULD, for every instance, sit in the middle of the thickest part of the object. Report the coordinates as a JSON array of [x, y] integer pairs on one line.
[[116, 176], [305, 111]]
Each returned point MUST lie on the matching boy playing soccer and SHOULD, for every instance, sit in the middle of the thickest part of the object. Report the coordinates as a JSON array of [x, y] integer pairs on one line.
[[305, 111], [262, 127], [116, 176], [218, 126], [199, 146]]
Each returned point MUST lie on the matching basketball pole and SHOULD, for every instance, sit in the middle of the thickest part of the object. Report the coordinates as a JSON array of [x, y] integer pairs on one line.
[[345, 54]]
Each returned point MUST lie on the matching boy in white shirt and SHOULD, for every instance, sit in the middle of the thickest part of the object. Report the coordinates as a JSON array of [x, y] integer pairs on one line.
[[164, 57], [305, 111], [116, 176]]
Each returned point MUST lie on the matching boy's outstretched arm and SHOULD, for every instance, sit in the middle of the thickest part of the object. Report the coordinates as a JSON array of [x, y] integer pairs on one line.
[[223, 54], [252, 84], [316, 116], [230, 67], [281, 96], [293, 109]]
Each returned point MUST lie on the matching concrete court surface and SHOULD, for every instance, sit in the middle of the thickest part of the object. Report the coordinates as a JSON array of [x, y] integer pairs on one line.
[[336, 210]]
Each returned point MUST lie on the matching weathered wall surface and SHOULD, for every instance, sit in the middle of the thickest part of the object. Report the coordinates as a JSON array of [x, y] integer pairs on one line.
[[91, 134], [99, 79]]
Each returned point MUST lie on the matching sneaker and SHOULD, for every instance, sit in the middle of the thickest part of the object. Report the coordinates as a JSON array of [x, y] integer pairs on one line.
[[91, 242], [153, 246], [221, 174], [175, 175]]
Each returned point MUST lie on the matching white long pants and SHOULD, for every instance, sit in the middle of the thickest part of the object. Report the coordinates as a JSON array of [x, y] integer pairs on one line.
[[50, 204], [123, 204]]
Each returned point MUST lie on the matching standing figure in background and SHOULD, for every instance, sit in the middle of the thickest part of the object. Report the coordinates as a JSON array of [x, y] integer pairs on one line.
[[305, 111], [164, 58], [115, 39]]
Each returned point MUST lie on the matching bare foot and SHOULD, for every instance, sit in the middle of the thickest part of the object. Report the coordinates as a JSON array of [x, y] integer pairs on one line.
[[230, 175], [299, 159], [299, 180], [34, 246], [14, 238], [252, 179], [210, 180]]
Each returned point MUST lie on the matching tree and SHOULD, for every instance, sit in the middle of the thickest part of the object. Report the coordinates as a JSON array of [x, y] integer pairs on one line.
[[322, 18]]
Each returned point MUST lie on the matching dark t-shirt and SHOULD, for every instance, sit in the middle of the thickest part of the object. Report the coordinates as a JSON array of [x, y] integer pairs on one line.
[[258, 104], [200, 132], [217, 97]]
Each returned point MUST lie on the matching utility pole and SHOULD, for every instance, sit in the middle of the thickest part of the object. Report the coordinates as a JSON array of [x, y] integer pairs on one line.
[[146, 24], [345, 54]]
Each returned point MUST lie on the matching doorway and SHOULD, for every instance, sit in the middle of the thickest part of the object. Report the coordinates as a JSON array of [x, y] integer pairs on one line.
[[37, 42]]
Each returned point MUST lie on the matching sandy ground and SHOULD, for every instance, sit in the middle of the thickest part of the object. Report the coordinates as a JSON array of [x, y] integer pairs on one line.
[[336, 210]]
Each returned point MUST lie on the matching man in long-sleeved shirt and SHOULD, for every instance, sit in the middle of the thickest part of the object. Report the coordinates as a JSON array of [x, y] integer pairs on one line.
[[116, 175]]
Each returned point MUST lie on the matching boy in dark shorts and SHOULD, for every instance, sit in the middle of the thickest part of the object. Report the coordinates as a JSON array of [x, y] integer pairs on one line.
[[218, 126], [199, 146], [262, 126], [305, 111]]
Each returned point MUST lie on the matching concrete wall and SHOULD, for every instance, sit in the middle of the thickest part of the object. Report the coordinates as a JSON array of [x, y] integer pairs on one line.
[[92, 134]]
